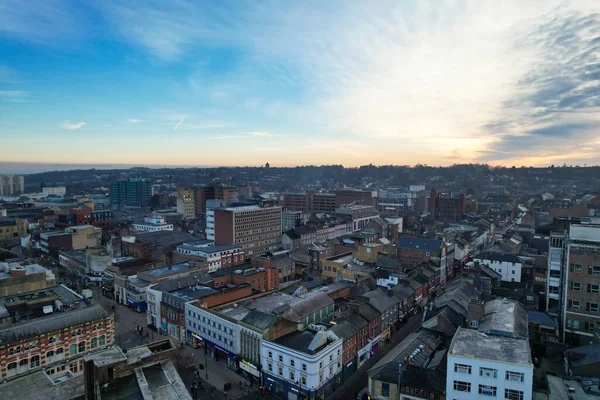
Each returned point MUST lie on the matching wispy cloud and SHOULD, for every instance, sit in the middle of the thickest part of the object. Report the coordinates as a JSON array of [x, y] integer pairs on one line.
[[14, 96], [71, 125], [134, 121], [260, 134], [221, 137], [179, 123], [9, 75]]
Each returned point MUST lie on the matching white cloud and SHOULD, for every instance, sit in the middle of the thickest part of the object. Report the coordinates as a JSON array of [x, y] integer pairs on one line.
[[14, 96], [260, 134], [71, 125], [134, 121]]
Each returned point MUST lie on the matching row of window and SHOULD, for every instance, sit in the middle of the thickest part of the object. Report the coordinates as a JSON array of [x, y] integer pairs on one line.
[[577, 287], [576, 324], [490, 372], [487, 390], [578, 268], [212, 335], [576, 305]]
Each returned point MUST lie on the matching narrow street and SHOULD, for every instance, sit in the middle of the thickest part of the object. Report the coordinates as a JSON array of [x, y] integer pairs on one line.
[[359, 379]]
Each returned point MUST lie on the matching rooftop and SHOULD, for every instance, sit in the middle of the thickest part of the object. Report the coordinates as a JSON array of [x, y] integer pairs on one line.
[[562, 388], [51, 323], [209, 249], [5, 269], [38, 385], [504, 318], [416, 243], [347, 261], [164, 238], [496, 256], [471, 343], [168, 270], [307, 341]]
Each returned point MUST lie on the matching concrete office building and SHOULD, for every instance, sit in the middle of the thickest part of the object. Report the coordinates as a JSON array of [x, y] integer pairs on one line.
[[574, 282], [132, 192], [256, 229], [492, 357], [11, 185]]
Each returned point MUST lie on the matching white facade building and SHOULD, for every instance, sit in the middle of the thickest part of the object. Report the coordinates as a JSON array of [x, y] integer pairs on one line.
[[219, 333], [507, 265], [305, 363], [153, 223], [216, 256], [493, 360], [54, 191]]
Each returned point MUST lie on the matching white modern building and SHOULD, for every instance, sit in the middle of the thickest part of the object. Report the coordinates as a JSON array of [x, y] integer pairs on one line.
[[492, 358], [303, 363], [219, 333], [219, 256], [54, 191], [507, 265], [153, 223]]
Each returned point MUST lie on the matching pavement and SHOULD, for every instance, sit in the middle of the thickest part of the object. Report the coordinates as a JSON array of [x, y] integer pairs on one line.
[[216, 375]]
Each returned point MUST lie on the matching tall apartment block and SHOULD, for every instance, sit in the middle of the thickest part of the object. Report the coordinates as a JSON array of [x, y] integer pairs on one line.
[[256, 230], [131, 192], [11, 185], [214, 192], [445, 207], [574, 282]]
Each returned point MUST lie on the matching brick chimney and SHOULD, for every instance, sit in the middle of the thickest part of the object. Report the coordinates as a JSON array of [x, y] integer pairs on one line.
[[476, 313]]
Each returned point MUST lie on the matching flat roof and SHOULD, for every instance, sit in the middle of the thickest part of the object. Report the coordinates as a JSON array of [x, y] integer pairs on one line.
[[471, 343], [167, 270], [38, 385], [348, 261], [209, 249], [29, 269], [302, 340]]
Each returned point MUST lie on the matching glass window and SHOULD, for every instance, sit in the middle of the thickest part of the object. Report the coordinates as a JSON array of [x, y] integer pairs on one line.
[[94, 343], [72, 349], [35, 361], [81, 347], [385, 389], [486, 390], [460, 386], [515, 376], [512, 394], [488, 372], [102, 340], [462, 368], [303, 367]]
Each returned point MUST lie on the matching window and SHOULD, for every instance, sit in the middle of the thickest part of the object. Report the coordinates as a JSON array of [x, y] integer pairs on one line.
[[594, 269], [515, 376], [591, 288], [102, 340], [23, 365], [81, 347], [321, 365], [303, 380], [385, 389], [462, 368], [590, 326], [320, 377], [512, 394], [12, 369], [303, 367], [486, 390], [49, 357], [573, 323], [474, 323], [460, 386], [270, 354], [292, 378], [292, 363], [574, 304], [270, 367], [60, 354], [72, 349], [94, 343], [280, 358], [488, 372], [575, 286], [330, 357], [578, 268], [280, 370], [592, 307], [35, 361]]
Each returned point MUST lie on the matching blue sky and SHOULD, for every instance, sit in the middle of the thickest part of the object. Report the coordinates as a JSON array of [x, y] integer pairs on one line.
[[300, 82]]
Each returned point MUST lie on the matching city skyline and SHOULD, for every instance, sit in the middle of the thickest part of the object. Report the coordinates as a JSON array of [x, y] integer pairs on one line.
[[298, 83]]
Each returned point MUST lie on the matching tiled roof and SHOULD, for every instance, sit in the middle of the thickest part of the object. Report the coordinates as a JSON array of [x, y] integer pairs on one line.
[[415, 243]]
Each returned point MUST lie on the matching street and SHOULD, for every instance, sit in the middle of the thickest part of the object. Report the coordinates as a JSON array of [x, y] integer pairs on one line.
[[359, 379], [214, 373]]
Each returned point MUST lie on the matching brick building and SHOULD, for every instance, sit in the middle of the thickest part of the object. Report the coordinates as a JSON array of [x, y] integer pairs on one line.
[[256, 229], [215, 192], [56, 343], [444, 207], [356, 197]]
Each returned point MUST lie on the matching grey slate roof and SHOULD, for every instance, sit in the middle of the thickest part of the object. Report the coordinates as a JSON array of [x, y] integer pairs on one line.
[[541, 318], [504, 318], [416, 243], [344, 330], [381, 300], [494, 256], [51, 323], [182, 281], [259, 319]]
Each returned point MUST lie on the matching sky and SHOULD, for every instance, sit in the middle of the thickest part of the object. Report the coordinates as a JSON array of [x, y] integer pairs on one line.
[[202, 83]]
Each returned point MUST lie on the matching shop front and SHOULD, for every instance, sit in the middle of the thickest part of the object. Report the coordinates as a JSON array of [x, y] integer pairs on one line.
[[363, 354], [220, 354], [385, 334], [295, 391], [349, 369], [375, 345], [249, 371]]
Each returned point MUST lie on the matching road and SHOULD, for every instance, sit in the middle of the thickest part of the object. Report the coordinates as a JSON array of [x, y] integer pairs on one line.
[[359, 379]]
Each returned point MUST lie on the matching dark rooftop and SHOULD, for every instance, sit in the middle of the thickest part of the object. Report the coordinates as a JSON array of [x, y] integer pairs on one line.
[[416, 243]]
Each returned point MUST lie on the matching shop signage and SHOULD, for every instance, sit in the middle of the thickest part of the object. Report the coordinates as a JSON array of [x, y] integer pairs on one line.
[[249, 368]]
